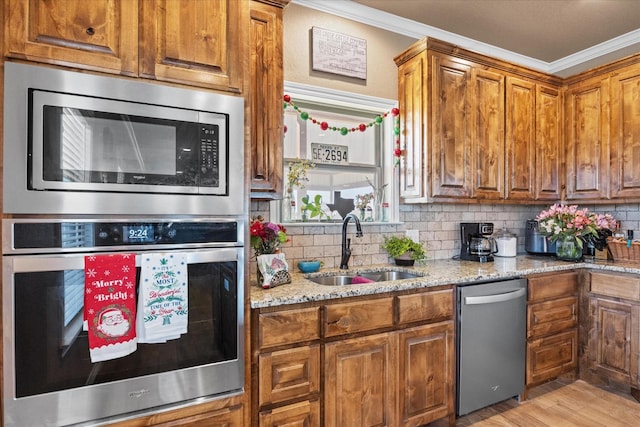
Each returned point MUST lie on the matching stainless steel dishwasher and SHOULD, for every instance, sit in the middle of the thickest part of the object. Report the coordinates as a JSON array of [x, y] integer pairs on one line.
[[491, 343]]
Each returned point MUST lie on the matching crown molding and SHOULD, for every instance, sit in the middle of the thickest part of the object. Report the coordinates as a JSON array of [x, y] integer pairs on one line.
[[618, 43], [338, 97], [366, 15]]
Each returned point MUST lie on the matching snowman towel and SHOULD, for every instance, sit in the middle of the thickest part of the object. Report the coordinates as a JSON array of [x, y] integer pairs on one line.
[[163, 297], [110, 305]]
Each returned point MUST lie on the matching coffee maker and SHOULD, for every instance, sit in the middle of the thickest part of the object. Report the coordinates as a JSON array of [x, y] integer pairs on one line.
[[476, 241]]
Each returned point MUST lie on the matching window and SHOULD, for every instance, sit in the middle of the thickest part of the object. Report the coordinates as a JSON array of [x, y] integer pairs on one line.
[[347, 166]]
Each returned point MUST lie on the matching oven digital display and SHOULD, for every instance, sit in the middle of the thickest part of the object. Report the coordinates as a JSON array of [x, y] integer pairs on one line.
[[143, 233]]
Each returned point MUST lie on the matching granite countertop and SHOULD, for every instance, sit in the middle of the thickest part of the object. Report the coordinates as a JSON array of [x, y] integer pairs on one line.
[[433, 273]]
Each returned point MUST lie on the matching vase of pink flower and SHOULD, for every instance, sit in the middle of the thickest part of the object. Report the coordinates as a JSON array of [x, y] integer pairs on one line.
[[571, 228]]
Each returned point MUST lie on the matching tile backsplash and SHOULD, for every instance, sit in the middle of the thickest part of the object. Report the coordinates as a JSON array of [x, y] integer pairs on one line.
[[437, 225]]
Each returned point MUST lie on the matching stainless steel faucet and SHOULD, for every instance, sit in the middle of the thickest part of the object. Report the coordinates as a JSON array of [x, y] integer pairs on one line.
[[346, 243]]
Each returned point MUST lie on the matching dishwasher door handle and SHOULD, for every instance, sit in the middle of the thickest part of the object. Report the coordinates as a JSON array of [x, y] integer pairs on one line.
[[489, 299]]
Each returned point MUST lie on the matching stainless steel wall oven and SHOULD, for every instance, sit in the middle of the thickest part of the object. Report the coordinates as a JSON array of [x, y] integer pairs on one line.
[[49, 378]]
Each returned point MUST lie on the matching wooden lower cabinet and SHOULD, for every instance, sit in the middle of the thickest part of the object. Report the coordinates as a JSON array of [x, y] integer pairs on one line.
[[360, 382], [358, 362], [552, 327], [289, 373], [613, 348], [301, 414], [426, 372], [227, 412], [551, 356], [227, 417]]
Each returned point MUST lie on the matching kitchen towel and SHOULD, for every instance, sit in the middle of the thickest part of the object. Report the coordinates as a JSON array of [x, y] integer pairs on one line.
[[274, 270], [110, 305], [163, 298], [359, 279]]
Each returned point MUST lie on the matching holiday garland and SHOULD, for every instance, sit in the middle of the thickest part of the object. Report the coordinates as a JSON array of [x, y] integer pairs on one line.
[[395, 112]]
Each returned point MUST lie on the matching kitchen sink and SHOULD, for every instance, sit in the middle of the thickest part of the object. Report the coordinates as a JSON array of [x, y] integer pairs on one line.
[[385, 276], [374, 276], [332, 280]]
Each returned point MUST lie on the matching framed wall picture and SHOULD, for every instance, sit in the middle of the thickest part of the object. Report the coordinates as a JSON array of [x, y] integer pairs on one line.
[[338, 53]]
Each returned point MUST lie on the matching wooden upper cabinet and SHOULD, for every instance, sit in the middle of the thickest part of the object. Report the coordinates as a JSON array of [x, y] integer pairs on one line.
[[488, 123], [587, 139], [549, 143], [477, 128], [100, 35], [625, 133], [450, 128], [521, 138], [195, 42], [200, 42], [412, 99], [266, 88]]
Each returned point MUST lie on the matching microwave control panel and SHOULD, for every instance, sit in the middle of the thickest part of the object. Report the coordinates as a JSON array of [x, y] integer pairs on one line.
[[209, 156]]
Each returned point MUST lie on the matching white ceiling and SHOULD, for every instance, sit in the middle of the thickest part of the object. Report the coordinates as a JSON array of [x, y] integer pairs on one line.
[[561, 37]]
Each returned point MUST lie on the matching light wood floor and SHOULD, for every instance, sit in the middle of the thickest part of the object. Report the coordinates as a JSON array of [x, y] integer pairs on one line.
[[559, 404]]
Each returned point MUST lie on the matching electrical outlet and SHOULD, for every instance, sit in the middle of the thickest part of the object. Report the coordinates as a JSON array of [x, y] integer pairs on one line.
[[414, 235]]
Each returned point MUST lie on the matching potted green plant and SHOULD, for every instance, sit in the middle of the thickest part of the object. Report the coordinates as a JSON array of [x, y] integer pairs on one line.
[[404, 250], [312, 208]]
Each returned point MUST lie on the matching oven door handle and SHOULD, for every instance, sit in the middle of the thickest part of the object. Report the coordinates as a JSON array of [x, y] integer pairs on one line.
[[489, 299], [33, 263]]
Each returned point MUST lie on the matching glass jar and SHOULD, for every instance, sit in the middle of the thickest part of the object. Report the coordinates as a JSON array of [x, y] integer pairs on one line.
[[288, 206], [568, 249], [506, 243]]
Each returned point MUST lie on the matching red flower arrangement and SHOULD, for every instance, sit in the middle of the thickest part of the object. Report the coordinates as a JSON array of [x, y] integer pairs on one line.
[[266, 237]]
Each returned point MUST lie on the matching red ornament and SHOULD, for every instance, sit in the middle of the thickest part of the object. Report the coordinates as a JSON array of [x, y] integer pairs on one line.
[[285, 128], [397, 152], [395, 111], [362, 127], [324, 125], [287, 98]]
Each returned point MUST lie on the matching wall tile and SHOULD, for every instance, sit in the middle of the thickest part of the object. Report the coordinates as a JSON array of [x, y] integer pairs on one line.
[[438, 226]]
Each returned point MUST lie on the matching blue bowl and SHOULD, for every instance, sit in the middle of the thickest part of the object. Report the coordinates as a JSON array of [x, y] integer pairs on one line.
[[309, 266]]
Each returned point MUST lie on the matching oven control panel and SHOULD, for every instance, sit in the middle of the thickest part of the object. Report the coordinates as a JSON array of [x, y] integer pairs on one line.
[[65, 235]]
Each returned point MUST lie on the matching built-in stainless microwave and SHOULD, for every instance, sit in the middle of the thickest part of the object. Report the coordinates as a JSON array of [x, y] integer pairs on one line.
[[80, 143]]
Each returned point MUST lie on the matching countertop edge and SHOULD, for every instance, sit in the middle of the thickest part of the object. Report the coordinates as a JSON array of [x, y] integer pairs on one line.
[[435, 273]]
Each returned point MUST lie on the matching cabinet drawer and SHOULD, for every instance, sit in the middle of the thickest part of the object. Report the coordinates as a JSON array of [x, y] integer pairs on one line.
[[551, 356], [434, 305], [360, 316], [616, 285], [552, 316], [288, 374], [287, 327], [552, 286], [305, 414]]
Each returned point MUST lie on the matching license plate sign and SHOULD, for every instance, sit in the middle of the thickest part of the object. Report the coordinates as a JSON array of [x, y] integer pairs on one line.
[[330, 154]]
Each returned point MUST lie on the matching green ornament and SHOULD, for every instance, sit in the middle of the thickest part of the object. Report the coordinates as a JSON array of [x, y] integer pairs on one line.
[[378, 120], [304, 115], [396, 130], [344, 131]]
